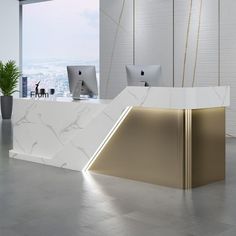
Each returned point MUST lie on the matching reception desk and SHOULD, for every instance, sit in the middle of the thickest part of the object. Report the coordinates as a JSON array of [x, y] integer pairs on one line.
[[169, 136]]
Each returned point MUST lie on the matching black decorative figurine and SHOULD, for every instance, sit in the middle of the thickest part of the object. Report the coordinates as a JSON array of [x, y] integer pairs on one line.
[[37, 89]]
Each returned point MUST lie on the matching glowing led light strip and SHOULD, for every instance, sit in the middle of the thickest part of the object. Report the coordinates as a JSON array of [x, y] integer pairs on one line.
[[106, 140]]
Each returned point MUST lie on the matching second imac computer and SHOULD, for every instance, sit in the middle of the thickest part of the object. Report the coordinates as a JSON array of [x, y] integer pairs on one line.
[[143, 75], [82, 81]]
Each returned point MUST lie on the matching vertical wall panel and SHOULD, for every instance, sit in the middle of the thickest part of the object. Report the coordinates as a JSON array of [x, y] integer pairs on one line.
[[228, 58], [116, 45], [9, 35], [181, 15], [154, 36], [207, 64], [202, 48]]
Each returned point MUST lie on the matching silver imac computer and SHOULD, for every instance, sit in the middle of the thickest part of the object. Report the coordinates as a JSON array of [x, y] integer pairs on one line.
[[82, 81], [143, 75]]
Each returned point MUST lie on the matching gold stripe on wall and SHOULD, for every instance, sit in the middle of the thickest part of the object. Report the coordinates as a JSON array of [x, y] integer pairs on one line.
[[197, 47], [219, 43], [134, 31], [114, 46], [187, 39]]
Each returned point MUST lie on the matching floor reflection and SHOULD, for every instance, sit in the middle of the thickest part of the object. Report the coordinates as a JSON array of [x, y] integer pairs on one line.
[[6, 135]]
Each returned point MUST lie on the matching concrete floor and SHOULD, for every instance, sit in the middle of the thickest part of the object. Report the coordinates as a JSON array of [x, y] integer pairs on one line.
[[38, 200]]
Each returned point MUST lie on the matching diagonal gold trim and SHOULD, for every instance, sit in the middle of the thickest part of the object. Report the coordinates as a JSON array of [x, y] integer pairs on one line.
[[187, 39], [197, 47], [114, 46], [114, 21], [108, 137]]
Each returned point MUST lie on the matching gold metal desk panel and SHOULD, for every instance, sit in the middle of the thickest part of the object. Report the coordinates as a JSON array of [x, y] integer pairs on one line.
[[179, 148]]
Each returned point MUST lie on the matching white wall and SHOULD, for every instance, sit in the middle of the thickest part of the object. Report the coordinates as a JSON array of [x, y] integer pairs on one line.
[[154, 44], [206, 56], [117, 36], [154, 36], [9, 30], [116, 45], [228, 58]]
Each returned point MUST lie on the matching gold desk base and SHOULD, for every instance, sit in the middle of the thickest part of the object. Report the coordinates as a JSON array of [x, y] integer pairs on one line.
[[174, 148]]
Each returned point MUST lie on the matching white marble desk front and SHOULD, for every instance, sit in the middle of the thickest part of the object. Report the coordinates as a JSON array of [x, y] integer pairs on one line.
[[66, 134]]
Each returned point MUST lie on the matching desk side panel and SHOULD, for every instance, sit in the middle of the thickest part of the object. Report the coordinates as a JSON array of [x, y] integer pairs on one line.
[[208, 146]]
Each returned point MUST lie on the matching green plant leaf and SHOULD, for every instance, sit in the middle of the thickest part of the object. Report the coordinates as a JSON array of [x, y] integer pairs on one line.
[[9, 77]]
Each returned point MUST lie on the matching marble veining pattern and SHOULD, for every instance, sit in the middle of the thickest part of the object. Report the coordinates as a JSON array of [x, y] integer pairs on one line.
[[67, 135]]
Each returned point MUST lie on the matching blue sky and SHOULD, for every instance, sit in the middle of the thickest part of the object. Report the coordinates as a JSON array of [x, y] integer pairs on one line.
[[61, 29]]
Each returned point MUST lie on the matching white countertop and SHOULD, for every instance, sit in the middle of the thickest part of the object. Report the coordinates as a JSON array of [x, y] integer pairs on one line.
[[180, 98], [67, 99], [161, 97]]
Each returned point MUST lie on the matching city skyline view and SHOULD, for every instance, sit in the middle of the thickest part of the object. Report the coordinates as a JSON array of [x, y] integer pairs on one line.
[[57, 34]]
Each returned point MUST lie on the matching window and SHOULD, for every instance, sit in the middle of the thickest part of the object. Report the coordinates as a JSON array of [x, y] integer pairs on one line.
[[56, 34]]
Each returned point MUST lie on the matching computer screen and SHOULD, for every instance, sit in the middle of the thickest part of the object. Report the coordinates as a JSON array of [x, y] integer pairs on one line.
[[143, 75], [82, 81]]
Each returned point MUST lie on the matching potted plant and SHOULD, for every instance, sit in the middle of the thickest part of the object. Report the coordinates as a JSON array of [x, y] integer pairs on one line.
[[9, 76]]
